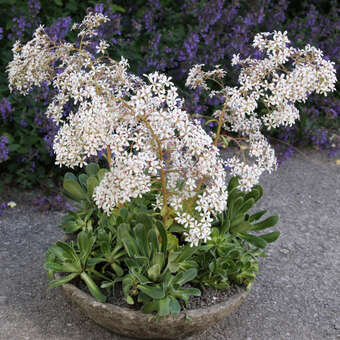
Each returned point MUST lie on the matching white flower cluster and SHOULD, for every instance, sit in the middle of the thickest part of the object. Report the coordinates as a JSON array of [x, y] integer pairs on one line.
[[286, 75], [197, 77], [31, 64], [163, 141], [148, 136], [87, 28]]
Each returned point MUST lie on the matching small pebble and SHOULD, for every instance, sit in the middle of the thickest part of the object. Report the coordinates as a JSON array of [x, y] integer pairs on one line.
[[284, 251]]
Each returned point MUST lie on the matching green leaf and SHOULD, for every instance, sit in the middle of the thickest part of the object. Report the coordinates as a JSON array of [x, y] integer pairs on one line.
[[127, 283], [206, 247], [70, 227], [271, 237], [256, 241], [144, 219], [241, 228], [93, 288], [95, 260], [101, 173], [85, 242], [184, 293], [236, 205], [62, 268], [236, 221], [163, 236], [248, 204], [186, 253], [174, 306], [91, 183], [74, 190], [62, 281], [125, 237], [69, 251], [118, 269], [124, 213], [267, 223], [153, 292], [254, 193], [154, 272], [140, 277], [259, 190], [82, 179], [159, 258], [150, 307], [176, 228], [70, 176], [233, 183], [107, 284], [257, 216], [129, 300], [140, 232], [59, 252], [92, 169], [225, 226], [164, 306], [190, 291], [153, 240], [172, 242], [187, 276]]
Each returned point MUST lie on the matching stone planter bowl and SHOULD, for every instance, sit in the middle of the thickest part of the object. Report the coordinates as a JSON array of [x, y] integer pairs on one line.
[[136, 324]]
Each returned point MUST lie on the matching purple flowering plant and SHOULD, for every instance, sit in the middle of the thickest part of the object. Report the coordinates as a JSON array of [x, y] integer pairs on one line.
[[169, 36]]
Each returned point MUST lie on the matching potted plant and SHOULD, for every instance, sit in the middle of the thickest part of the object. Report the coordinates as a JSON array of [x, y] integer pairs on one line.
[[156, 223]]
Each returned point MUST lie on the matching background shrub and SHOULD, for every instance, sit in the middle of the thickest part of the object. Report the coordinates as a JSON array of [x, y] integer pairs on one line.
[[166, 35]]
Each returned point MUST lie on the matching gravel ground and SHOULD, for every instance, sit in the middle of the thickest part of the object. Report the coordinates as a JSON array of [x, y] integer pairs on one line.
[[296, 294]]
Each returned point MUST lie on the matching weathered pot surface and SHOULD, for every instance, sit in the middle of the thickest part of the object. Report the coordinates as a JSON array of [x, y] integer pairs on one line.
[[136, 324]]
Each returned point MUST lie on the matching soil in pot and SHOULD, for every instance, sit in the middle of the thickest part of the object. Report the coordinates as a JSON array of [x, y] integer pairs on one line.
[[208, 298]]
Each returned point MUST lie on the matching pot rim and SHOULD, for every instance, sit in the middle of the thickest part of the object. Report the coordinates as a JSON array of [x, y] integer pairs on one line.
[[190, 313]]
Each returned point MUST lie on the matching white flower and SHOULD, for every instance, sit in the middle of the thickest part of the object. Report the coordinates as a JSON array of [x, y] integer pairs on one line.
[[150, 136], [102, 47]]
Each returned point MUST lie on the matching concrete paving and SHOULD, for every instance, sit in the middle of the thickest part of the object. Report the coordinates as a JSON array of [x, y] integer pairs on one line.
[[296, 295]]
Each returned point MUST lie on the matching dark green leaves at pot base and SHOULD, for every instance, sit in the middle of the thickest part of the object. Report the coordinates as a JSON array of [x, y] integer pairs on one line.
[[73, 259], [236, 241]]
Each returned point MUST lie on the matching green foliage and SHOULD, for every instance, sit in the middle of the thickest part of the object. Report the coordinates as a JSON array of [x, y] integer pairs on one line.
[[156, 270], [73, 259], [80, 190], [238, 222], [224, 259], [25, 126], [156, 275], [231, 253]]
